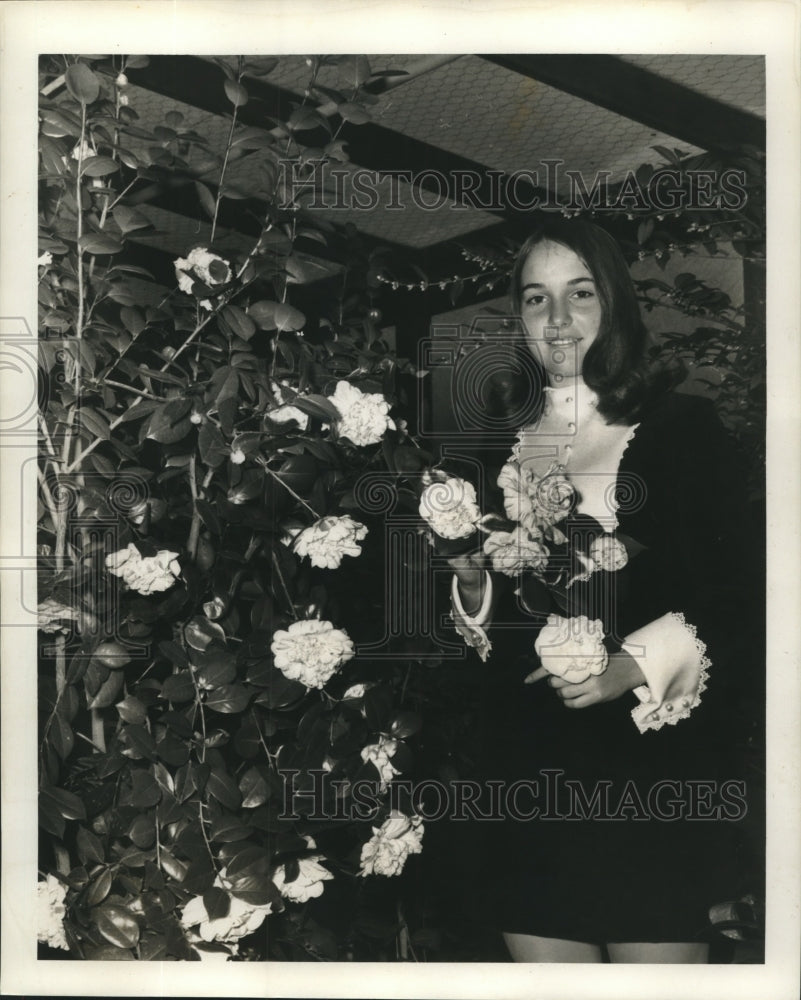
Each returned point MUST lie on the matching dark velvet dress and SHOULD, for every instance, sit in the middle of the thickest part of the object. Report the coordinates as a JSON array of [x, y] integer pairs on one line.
[[616, 834]]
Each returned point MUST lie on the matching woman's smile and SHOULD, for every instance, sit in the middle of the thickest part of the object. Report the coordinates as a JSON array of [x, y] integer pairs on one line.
[[560, 308]]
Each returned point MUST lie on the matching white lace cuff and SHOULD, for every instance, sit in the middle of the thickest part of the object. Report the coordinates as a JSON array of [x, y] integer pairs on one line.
[[675, 664], [469, 627]]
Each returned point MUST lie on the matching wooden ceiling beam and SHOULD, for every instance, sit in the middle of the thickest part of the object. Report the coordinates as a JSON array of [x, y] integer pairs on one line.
[[612, 83], [374, 147]]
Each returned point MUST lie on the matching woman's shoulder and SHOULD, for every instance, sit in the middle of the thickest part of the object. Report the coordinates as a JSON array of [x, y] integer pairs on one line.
[[677, 411]]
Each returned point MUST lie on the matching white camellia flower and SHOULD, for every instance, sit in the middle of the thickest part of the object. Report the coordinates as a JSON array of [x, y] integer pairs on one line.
[[537, 502], [288, 412], [198, 266], [385, 853], [148, 574], [309, 883], [358, 690], [329, 540], [512, 552], [450, 507], [379, 754], [82, 151], [364, 416], [572, 648], [609, 553], [311, 651], [50, 912], [45, 260], [51, 614], [242, 918]]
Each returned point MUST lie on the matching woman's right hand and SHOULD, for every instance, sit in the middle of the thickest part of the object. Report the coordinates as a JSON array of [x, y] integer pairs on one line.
[[470, 571]]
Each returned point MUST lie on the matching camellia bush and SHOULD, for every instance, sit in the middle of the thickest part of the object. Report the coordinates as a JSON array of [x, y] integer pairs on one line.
[[209, 566]]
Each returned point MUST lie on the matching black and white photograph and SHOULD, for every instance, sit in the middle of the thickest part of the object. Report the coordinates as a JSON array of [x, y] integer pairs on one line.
[[395, 449]]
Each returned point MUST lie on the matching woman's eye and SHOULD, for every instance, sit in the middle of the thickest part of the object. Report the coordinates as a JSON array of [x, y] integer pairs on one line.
[[584, 293], [535, 300]]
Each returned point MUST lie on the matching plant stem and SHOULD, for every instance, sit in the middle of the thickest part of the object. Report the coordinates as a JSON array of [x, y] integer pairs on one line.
[[98, 730], [289, 489], [225, 160], [280, 575]]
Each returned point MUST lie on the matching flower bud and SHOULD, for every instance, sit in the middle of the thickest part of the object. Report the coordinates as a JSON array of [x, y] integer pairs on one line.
[[122, 80]]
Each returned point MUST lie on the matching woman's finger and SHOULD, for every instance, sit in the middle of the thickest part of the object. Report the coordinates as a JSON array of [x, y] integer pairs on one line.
[[560, 682], [569, 692], [536, 675]]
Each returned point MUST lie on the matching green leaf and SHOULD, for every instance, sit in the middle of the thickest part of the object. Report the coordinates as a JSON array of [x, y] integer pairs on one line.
[[60, 123], [217, 902], [200, 633], [99, 166], [223, 787], [213, 450], [50, 817], [61, 736], [132, 710], [405, 724], [317, 406], [109, 690], [235, 93], [82, 83], [288, 319], [67, 803], [229, 699], [117, 926], [258, 890], [145, 791], [353, 113], [354, 70], [207, 200], [173, 866], [199, 876], [217, 667], [178, 687], [142, 830], [98, 243], [263, 314], [89, 848], [173, 653], [254, 788], [281, 691], [129, 219], [239, 321], [247, 859], [171, 422], [98, 888], [94, 423], [140, 741], [227, 829]]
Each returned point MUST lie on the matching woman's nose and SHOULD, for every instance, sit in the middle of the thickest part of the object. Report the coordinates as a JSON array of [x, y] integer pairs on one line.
[[560, 314]]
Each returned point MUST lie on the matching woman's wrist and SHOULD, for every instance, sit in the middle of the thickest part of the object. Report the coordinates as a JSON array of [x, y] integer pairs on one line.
[[471, 597], [629, 672]]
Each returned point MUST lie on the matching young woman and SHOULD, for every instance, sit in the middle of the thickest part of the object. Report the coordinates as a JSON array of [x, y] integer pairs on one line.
[[625, 822]]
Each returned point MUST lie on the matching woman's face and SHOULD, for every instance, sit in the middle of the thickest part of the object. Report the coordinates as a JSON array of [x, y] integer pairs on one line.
[[560, 308]]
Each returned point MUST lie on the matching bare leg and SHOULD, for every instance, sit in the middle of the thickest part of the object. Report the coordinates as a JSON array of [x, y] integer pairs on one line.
[[660, 952], [529, 948]]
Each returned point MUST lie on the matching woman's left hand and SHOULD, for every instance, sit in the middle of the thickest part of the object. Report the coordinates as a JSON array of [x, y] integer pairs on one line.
[[622, 674]]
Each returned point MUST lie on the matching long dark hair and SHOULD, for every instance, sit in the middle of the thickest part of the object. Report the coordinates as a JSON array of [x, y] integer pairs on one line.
[[616, 365]]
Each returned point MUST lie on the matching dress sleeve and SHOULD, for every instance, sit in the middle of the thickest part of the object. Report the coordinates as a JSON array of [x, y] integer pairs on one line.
[[698, 577], [674, 661], [470, 627]]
